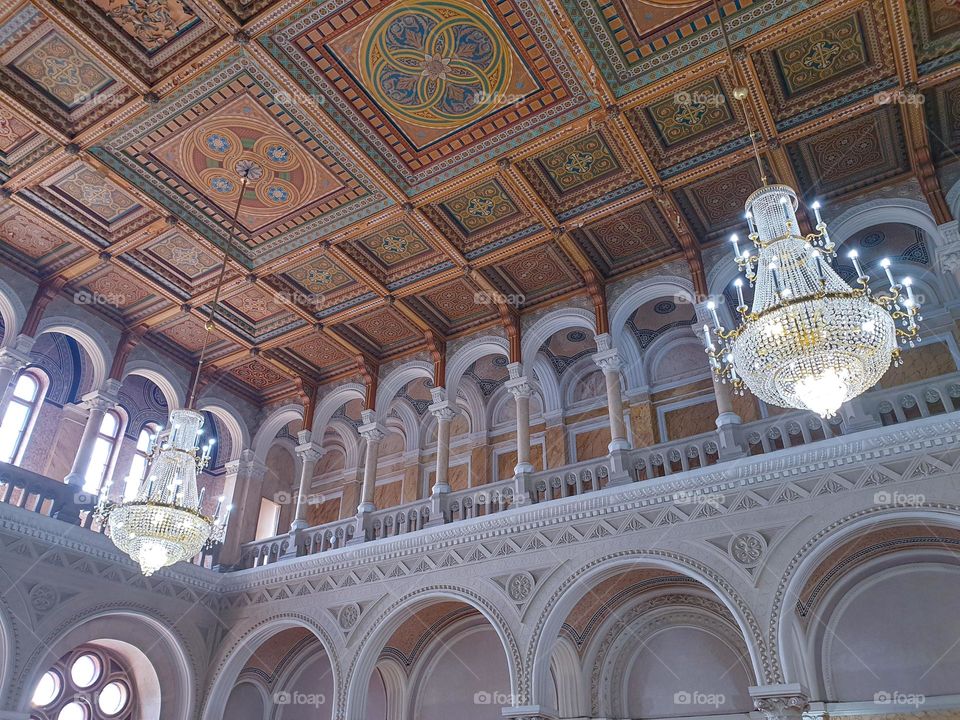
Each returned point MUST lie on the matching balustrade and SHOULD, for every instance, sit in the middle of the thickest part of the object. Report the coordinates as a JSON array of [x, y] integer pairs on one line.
[[38, 494]]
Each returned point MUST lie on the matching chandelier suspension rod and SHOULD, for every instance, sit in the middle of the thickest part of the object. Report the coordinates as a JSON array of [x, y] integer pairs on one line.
[[216, 299], [740, 93]]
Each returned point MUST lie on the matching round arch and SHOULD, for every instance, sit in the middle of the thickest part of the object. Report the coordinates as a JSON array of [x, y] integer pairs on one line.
[[554, 321], [13, 313], [624, 306], [877, 212], [166, 678], [232, 421], [783, 629], [271, 426], [569, 592], [376, 632], [410, 423], [173, 392], [333, 401], [397, 379], [232, 658], [467, 355], [90, 340]]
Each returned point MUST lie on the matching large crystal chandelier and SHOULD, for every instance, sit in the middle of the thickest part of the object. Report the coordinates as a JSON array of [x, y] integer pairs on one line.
[[164, 523], [809, 340]]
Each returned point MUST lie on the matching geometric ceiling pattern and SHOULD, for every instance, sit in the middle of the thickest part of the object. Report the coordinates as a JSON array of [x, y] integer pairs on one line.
[[420, 158]]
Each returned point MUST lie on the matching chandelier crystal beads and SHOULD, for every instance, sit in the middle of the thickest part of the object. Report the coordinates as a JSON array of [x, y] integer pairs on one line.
[[164, 523], [809, 340]]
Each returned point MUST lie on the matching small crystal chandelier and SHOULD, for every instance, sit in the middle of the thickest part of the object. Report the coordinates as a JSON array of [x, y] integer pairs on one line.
[[809, 340], [164, 523]]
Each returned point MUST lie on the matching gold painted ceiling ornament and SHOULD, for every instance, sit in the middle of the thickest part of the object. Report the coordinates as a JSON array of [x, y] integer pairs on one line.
[[164, 523], [809, 340]]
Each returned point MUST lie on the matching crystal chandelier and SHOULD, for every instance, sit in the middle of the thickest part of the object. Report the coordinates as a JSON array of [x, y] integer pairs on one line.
[[809, 340], [164, 523]]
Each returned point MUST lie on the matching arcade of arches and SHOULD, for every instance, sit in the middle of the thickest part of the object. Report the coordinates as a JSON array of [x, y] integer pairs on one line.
[[455, 379]]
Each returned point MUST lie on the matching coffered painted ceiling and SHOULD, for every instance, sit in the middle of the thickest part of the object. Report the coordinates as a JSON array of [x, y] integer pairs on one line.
[[422, 155]]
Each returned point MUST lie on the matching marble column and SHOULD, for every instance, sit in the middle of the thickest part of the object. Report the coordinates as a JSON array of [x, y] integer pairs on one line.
[[97, 403], [309, 453], [728, 422], [519, 387], [372, 432], [444, 411], [780, 702], [608, 360], [12, 360], [242, 489]]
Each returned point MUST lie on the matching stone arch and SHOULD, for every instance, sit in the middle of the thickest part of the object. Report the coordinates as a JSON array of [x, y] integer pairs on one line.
[[398, 378], [784, 638], [9, 642], [877, 212], [562, 319], [332, 401], [271, 426], [534, 687], [90, 340], [173, 392], [165, 672], [566, 671], [546, 382], [349, 441], [580, 370], [232, 420], [668, 286], [666, 346], [373, 633], [467, 355], [410, 423], [237, 649], [13, 313]]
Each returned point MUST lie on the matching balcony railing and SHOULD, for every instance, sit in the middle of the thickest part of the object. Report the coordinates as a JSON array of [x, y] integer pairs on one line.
[[39, 494]]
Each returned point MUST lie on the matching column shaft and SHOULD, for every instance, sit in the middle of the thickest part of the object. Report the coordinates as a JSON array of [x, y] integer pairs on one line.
[[82, 459]]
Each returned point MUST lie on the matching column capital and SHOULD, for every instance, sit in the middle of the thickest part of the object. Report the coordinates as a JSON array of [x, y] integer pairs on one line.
[[310, 451], [247, 463], [13, 359], [372, 432], [444, 410], [515, 369], [518, 387], [103, 399], [779, 702], [608, 360]]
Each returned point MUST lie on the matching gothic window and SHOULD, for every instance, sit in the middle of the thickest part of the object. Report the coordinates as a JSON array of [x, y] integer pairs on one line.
[[20, 415], [89, 683]]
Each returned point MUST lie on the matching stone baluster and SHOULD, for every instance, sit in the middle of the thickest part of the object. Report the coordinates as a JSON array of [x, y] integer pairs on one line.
[[372, 432], [780, 702], [444, 411], [519, 387]]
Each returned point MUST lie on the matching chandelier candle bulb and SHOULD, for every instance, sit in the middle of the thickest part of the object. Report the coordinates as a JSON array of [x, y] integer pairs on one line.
[[816, 211], [908, 284], [739, 285], [854, 256], [885, 264], [736, 245], [750, 223], [712, 307]]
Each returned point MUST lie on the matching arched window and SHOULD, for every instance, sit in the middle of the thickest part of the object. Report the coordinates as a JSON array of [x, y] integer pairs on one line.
[[89, 683], [104, 450], [19, 417], [138, 466]]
